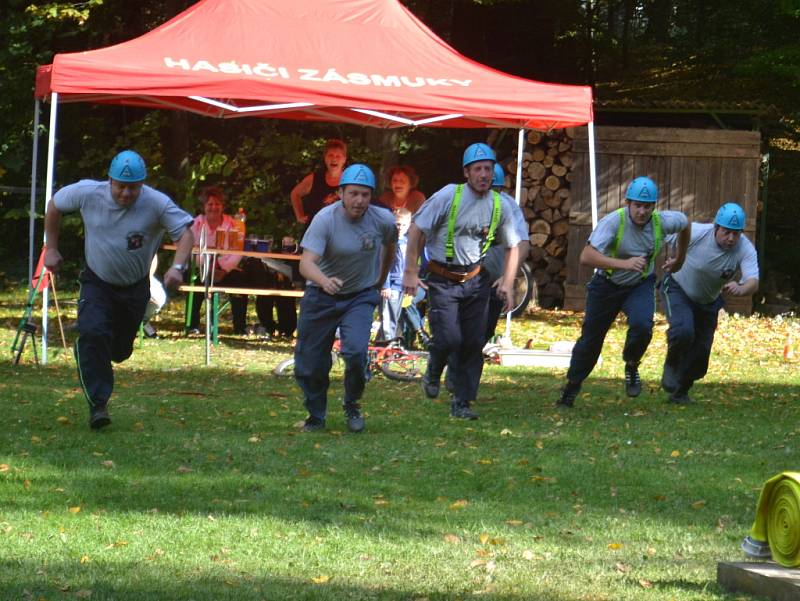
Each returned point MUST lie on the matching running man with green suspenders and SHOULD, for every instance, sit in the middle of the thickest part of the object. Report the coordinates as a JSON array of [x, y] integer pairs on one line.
[[622, 249], [457, 225]]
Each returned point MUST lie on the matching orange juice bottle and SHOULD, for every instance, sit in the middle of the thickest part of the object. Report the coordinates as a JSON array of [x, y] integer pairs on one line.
[[239, 229]]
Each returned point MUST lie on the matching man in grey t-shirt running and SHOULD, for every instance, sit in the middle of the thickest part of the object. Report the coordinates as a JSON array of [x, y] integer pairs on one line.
[[692, 299], [347, 251], [622, 249], [124, 222], [457, 225]]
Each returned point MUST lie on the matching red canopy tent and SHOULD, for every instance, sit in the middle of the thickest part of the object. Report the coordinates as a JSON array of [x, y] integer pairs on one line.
[[367, 62]]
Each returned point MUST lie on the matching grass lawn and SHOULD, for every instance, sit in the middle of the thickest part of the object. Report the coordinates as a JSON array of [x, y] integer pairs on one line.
[[204, 488]]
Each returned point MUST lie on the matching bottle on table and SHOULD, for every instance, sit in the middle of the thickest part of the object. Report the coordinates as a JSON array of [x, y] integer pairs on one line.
[[239, 227]]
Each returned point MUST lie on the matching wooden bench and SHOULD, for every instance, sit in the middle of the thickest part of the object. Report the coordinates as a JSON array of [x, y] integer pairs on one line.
[[213, 327]]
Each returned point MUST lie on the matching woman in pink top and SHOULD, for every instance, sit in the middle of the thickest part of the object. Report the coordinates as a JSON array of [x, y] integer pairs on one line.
[[229, 270], [402, 192]]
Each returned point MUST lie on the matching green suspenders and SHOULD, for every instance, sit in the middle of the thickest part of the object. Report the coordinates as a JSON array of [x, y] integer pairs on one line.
[[449, 249], [658, 236]]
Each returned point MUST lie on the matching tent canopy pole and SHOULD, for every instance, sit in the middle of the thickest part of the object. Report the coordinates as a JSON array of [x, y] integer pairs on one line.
[[48, 193], [32, 210], [520, 149], [592, 174]]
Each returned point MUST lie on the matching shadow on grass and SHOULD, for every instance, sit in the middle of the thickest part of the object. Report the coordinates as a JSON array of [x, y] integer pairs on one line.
[[147, 581], [202, 441]]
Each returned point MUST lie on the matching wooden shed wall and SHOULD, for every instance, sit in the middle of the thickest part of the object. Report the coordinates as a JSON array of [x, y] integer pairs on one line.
[[696, 170]]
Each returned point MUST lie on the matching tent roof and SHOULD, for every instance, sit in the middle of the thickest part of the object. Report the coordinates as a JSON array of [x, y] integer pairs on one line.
[[368, 62]]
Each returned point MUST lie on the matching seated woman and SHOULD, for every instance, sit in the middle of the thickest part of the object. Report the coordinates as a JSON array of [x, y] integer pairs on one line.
[[402, 192], [229, 270]]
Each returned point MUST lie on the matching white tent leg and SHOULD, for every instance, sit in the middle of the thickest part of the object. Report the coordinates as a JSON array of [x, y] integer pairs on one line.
[[32, 211], [592, 174], [520, 149], [48, 194]]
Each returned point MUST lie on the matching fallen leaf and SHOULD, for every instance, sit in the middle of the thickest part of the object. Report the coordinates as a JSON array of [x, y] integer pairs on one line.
[[452, 539], [698, 504], [505, 432], [615, 546], [484, 538], [320, 579], [254, 439], [85, 559], [485, 461], [675, 454], [35, 439], [645, 583], [514, 523], [460, 504], [62, 420], [76, 509], [108, 464], [4, 467], [527, 555], [184, 470]]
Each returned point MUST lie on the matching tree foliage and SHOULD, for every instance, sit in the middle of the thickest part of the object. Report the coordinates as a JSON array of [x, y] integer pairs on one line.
[[710, 50]]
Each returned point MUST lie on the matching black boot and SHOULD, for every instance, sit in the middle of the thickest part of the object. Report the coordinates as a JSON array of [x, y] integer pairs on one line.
[[633, 384], [568, 394]]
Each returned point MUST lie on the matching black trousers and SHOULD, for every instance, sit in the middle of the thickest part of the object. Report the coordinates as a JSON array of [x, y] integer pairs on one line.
[[457, 316], [108, 320]]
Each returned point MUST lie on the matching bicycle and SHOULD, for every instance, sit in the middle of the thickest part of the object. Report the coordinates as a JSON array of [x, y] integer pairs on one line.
[[524, 290], [390, 358]]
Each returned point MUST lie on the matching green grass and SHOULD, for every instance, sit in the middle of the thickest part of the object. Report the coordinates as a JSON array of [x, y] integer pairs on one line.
[[204, 488]]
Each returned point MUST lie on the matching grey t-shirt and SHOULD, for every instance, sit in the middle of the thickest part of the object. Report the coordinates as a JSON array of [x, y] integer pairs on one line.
[[708, 266], [473, 219], [494, 260], [121, 242], [350, 250], [637, 241]]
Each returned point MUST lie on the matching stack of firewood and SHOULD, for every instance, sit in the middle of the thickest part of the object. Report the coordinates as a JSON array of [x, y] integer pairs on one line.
[[545, 200]]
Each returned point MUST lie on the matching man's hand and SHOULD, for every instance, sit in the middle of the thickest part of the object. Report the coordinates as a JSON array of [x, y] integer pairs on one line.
[[506, 292], [411, 282], [735, 289], [671, 265], [386, 293], [638, 264], [332, 285], [173, 278], [53, 259]]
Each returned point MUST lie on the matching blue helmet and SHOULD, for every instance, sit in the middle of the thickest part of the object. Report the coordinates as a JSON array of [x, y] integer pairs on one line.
[[358, 174], [499, 178], [730, 216], [478, 152], [642, 189], [128, 167]]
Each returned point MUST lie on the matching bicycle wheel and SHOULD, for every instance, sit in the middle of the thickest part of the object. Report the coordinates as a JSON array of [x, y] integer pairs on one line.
[[285, 367], [404, 366], [524, 290]]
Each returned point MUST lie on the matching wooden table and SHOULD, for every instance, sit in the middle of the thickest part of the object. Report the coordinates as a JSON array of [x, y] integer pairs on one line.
[[212, 290]]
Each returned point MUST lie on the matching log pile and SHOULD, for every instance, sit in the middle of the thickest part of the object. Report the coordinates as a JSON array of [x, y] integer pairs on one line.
[[545, 200]]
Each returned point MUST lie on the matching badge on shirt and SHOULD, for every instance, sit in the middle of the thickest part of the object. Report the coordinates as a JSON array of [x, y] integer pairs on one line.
[[135, 240], [367, 242]]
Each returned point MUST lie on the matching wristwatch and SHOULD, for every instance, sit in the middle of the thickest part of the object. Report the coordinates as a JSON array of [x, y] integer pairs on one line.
[[179, 266]]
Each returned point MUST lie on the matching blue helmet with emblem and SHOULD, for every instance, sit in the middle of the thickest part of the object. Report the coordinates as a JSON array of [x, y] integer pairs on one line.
[[358, 174], [642, 189], [499, 178], [128, 166], [730, 216], [478, 152]]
